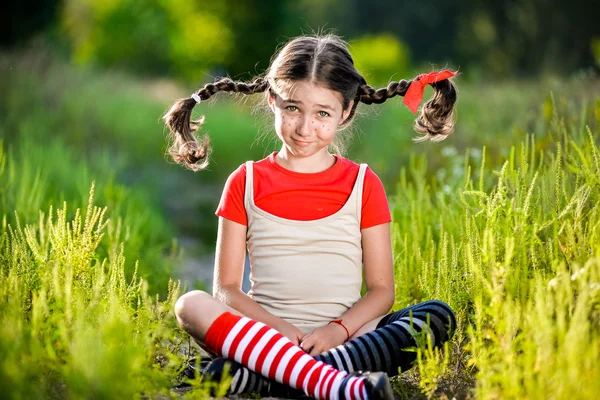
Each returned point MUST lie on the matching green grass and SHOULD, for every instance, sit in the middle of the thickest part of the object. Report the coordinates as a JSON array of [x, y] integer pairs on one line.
[[501, 221], [27, 186], [72, 325], [516, 252]]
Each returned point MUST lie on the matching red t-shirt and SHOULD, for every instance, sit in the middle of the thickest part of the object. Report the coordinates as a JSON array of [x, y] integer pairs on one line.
[[303, 196]]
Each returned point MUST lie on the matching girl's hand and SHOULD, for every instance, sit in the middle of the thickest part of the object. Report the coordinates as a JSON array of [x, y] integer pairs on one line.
[[322, 339], [290, 331]]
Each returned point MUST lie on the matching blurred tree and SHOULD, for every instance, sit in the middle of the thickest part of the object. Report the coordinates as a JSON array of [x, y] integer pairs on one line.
[[258, 27], [528, 36], [595, 45], [123, 33], [201, 37], [499, 37], [195, 39], [152, 36], [327, 16], [190, 39], [380, 58], [20, 19]]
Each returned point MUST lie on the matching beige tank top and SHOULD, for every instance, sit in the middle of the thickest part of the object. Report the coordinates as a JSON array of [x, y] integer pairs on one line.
[[306, 272]]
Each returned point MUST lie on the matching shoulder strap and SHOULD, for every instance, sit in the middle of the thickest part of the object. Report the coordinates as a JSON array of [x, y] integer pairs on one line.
[[360, 180], [249, 188]]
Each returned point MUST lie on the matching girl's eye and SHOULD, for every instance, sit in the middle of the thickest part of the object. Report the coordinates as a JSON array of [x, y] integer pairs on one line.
[[291, 108], [323, 114]]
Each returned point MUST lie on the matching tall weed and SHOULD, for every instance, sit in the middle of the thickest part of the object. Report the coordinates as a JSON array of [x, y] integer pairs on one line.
[[515, 251], [28, 187], [71, 324]]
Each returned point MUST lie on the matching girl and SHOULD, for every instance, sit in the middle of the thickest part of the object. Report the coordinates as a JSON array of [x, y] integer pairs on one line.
[[313, 223]]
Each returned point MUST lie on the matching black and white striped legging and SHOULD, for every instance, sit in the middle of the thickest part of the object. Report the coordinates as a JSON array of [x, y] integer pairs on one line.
[[383, 349]]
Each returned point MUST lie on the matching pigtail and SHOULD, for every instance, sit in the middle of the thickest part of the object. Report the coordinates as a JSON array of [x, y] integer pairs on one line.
[[437, 115], [436, 121], [186, 149]]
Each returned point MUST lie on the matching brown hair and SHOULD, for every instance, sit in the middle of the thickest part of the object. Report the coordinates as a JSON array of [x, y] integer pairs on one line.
[[321, 59]]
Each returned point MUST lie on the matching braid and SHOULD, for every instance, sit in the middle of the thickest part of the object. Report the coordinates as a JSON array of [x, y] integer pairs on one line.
[[227, 85], [186, 149], [437, 115], [368, 95]]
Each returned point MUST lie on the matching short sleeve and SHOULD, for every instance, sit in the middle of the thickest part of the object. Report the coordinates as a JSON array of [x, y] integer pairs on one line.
[[375, 207], [231, 205]]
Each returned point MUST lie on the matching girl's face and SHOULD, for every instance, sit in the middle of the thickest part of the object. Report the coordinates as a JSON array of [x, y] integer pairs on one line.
[[307, 117]]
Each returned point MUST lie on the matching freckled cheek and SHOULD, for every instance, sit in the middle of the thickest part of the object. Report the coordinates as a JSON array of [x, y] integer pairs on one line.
[[290, 121], [287, 122], [325, 127]]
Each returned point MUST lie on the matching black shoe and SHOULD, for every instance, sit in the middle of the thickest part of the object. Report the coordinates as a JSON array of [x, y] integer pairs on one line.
[[213, 372], [268, 388], [377, 385], [194, 370], [210, 371], [191, 371]]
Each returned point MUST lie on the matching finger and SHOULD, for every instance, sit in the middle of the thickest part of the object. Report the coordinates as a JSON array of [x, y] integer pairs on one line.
[[314, 350], [307, 344], [305, 337], [312, 346], [302, 345]]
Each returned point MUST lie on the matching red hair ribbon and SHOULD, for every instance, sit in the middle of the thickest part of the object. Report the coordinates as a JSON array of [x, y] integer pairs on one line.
[[414, 94]]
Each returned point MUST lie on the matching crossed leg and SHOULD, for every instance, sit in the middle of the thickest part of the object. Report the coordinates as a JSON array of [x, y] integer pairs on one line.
[[378, 346], [265, 351]]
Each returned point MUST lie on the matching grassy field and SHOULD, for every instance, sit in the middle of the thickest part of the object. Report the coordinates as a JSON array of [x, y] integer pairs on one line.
[[501, 221]]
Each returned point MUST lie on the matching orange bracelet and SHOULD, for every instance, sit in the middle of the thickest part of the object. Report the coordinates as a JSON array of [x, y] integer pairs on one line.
[[339, 322]]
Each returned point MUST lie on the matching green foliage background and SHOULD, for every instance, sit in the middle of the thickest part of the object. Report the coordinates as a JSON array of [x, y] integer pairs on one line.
[[197, 41], [500, 220]]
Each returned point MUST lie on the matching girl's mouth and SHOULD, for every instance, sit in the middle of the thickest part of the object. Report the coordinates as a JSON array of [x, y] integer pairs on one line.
[[301, 143]]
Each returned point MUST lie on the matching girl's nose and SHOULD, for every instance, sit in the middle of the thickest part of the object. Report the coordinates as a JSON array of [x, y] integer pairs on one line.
[[303, 127]]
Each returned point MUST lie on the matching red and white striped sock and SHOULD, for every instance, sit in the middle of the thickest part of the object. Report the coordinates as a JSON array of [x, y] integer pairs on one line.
[[269, 353]]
